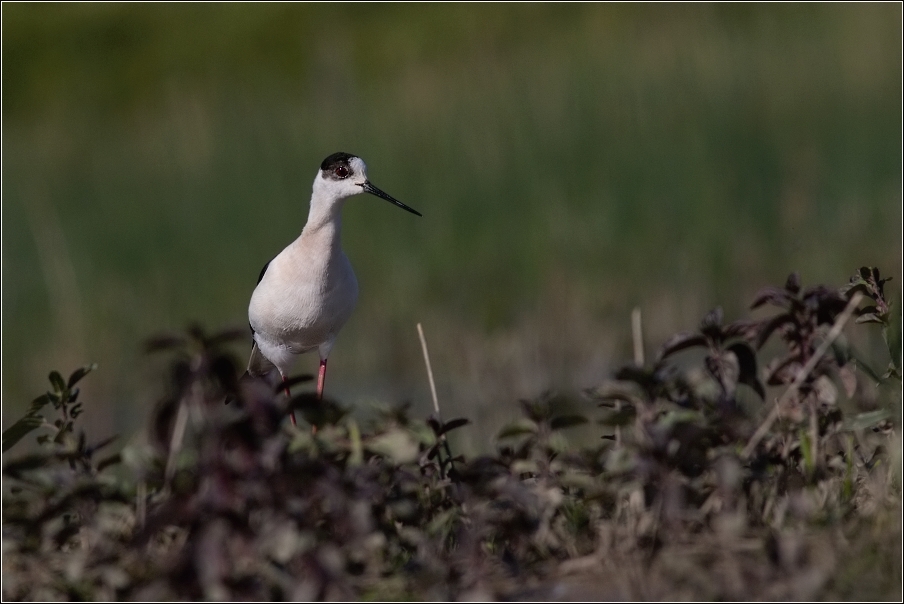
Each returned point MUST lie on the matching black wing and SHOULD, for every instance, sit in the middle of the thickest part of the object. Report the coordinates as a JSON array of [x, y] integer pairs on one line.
[[259, 279], [264, 270]]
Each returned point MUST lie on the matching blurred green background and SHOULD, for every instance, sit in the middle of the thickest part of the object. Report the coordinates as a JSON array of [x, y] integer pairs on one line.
[[571, 162]]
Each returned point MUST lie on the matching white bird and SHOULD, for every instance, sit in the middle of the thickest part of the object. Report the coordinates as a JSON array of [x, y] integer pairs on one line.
[[308, 291]]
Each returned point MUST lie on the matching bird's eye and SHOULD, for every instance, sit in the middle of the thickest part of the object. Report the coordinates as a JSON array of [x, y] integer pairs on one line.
[[341, 171]]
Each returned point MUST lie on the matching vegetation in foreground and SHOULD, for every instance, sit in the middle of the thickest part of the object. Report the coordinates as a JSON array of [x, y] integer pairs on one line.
[[759, 459]]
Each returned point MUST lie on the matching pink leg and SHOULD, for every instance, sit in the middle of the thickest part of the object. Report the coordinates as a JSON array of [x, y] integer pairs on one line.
[[321, 379], [289, 396]]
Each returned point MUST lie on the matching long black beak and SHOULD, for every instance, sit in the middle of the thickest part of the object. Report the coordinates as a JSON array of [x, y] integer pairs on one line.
[[369, 188]]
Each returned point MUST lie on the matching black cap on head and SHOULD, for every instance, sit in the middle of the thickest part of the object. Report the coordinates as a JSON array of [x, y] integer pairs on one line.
[[336, 159]]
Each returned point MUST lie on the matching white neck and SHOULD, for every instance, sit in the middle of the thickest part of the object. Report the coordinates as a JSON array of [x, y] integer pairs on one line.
[[324, 218]]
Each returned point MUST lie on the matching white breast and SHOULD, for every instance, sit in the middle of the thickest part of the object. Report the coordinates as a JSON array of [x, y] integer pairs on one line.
[[302, 301]]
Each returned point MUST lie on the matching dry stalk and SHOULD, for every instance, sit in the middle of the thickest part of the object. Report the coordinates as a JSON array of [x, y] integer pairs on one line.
[[834, 332]]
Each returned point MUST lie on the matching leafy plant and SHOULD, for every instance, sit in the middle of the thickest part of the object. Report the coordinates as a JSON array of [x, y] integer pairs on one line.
[[676, 497]]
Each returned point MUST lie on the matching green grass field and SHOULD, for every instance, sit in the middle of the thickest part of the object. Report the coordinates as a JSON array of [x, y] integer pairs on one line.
[[571, 163]]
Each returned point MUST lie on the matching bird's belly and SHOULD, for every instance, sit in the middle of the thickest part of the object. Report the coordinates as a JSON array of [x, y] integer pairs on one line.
[[302, 316]]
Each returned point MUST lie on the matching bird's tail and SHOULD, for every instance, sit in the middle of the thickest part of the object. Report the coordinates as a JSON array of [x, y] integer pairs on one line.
[[258, 367], [258, 364]]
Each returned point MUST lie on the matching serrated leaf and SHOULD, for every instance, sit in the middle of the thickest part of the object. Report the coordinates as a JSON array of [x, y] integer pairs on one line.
[[681, 341], [78, 374], [567, 421], [39, 403], [769, 326], [773, 295], [56, 380], [742, 328], [452, 424], [777, 367], [646, 379], [19, 430]]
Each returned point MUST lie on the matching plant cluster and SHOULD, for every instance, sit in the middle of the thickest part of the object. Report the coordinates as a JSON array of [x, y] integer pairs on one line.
[[721, 470]]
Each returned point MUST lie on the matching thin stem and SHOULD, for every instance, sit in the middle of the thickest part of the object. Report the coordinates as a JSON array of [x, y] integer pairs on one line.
[[420, 331], [802, 375], [445, 441]]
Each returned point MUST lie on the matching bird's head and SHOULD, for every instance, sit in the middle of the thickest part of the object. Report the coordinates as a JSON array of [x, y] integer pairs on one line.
[[343, 175]]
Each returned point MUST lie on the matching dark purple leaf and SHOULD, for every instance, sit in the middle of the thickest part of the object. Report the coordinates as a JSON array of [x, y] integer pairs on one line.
[[79, 373], [647, 379], [57, 381], [772, 295], [18, 430], [711, 326], [433, 451], [455, 423], [747, 367], [770, 325], [38, 403], [779, 372], [742, 328], [680, 342]]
